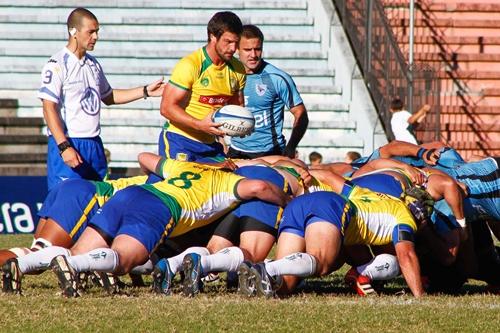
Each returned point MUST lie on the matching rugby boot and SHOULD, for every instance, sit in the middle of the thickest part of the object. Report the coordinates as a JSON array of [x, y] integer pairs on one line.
[[66, 275], [246, 286], [11, 277], [162, 277], [265, 284], [191, 265], [361, 284], [110, 283]]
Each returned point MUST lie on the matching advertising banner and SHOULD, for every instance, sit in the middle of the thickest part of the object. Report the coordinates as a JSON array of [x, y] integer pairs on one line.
[[20, 199]]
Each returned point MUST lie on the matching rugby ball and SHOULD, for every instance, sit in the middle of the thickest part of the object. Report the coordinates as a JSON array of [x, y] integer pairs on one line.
[[236, 120]]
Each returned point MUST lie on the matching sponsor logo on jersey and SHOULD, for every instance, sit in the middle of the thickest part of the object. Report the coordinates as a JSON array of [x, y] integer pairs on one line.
[[91, 102], [260, 89], [214, 100]]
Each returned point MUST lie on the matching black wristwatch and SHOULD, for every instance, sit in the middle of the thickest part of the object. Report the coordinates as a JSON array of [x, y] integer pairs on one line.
[[63, 146], [145, 92]]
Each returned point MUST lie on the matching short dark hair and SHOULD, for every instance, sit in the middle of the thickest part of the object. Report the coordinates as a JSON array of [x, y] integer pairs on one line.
[[252, 31], [76, 16], [397, 104], [315, 156], [224, 22], [353, 155]]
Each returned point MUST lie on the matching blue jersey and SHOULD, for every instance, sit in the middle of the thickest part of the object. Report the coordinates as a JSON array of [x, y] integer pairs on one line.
[[483, 182], [266, 95]]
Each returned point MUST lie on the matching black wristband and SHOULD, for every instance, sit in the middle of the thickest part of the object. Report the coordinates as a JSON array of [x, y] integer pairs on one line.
[[63, 146], [145, 92]]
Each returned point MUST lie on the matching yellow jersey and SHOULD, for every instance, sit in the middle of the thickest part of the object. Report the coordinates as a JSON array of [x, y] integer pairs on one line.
[[196, 194], [211, 87], [374, 217], [106, 189]]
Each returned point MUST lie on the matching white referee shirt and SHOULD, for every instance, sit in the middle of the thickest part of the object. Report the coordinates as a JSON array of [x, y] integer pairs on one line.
[[77, 86]]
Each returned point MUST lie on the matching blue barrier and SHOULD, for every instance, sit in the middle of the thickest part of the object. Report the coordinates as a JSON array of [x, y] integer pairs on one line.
[[20, 199]]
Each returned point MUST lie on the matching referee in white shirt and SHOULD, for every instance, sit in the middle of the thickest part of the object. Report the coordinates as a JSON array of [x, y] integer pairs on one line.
[[73, 86]]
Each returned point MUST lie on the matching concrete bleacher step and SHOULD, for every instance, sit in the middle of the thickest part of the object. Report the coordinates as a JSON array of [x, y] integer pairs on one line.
[[141, 41], [21, 126], [170, 4], [13, 144], [31, 81]]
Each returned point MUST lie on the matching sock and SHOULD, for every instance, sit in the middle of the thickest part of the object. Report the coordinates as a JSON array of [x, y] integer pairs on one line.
[[101, 260], [175, 263], [298, 264], [226, 260], [40, 259], [382, 267], [143, 269]]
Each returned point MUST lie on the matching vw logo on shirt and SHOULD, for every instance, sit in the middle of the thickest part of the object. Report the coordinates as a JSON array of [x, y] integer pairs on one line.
[[91, 102]]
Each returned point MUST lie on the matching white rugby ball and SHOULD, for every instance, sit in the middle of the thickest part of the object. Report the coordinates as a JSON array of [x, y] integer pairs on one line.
[[236, 120]]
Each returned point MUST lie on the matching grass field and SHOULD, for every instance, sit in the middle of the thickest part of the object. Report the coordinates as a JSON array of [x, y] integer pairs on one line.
[[323, 306]]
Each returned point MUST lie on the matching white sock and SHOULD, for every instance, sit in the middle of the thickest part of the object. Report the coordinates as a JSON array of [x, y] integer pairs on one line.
[[226, 260], [298, 264], [143, 269], [40, 259], [101, 260], [175, 263], [382, 267]]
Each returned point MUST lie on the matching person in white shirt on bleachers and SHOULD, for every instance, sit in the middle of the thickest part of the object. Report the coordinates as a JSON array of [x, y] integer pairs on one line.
[[403, 122]]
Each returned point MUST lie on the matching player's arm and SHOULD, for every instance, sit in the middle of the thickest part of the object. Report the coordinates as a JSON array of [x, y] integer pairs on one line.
[[416, 176], [401, 148], [335, 181], [300, 122], [248, 189], [152, 163], [408, 262], [298, 166], [70, 156], [122, 96], [418, 116], [442, 186], [173, 104]]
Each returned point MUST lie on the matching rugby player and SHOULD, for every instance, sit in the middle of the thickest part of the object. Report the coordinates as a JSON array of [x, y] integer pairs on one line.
[[135, 220]]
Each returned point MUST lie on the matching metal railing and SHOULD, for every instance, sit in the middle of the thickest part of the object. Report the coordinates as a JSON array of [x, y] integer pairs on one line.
[[384, 68]]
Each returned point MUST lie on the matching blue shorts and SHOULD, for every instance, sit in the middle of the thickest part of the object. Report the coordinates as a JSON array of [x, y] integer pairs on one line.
[[265, 212], [176, 146], [71, 204], [136, 212], [380, 182], [483, 182], [94, 166], [314, 207]]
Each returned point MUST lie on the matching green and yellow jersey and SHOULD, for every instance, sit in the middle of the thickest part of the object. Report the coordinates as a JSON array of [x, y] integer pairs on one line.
[[211, 87], [196, 194]]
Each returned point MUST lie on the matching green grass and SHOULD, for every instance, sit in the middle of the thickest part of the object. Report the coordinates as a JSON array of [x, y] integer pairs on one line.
[[323, 306]]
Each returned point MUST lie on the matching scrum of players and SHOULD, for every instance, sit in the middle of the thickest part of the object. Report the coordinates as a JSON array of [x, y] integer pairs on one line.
[[422, 212]]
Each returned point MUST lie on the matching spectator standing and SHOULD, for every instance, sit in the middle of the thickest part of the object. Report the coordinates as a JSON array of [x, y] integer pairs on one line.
[[403, 122]]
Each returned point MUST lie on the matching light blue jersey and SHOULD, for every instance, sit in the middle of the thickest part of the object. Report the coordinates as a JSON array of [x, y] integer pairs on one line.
[[266, 95]]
